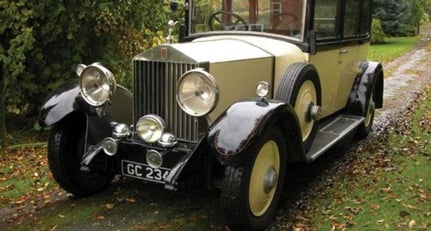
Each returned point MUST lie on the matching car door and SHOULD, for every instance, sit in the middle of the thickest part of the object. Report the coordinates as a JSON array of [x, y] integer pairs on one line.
[[354, 47], [342, 34], [327, 59]]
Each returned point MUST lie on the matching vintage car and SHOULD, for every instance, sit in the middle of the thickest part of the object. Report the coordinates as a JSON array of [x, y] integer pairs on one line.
[[247, 87]]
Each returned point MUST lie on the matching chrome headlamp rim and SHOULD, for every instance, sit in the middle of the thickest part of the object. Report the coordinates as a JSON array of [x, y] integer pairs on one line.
[[262, 89], [193, 108], [96, 83], [150, 128]]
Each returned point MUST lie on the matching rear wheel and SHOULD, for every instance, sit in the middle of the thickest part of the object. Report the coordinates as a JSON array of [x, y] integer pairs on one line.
[[365, 128], [251, 192], [65, 150]]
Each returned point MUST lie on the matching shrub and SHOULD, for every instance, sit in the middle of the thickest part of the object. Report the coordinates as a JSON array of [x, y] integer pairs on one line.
[[43, 41], [377, 34]]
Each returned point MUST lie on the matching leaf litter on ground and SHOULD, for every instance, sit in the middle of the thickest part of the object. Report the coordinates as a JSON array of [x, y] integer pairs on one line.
[[385, 185], [26, 184]]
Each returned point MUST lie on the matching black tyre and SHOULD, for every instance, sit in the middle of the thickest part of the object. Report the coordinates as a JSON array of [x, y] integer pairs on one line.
[[65, 150], [366, 127], [251, 192], [300, 87]]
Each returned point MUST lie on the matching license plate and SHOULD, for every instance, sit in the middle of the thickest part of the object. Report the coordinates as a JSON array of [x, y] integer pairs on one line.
[[143, 171]]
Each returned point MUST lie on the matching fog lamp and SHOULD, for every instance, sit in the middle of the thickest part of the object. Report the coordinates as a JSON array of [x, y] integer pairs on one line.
[[168, 140], [262, 89], [154, 158], [150, 128], [110, 146], [121, 131]]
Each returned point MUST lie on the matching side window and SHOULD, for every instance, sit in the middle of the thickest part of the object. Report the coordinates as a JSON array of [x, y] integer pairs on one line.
[[357, 18], [325, 19], [351, 17], [365, 18]]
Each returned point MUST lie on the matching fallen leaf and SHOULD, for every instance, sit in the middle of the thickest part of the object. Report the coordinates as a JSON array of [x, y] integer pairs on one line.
[[131, 200], [386, 190], [412, 224], [408, 206], [375, 206], [109, 206], [404, 214]]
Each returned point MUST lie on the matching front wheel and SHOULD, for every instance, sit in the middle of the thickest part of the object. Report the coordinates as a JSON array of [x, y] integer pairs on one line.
[[65, 150], [251, 192]]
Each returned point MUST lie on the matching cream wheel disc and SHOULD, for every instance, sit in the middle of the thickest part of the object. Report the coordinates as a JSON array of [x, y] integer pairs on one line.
[[306, 96], [264, 178], [370, 112]]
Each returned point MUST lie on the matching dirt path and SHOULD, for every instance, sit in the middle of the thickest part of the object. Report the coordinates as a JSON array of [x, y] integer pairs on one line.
[[409, 74]]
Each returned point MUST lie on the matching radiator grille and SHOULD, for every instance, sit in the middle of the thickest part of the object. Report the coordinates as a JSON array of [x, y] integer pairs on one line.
[[155, 93]]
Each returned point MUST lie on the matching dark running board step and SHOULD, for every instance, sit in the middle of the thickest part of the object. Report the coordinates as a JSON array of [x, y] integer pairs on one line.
[[331, 132]]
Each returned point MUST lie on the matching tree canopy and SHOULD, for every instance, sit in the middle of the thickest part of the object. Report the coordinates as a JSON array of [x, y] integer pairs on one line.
[[43, 41], [400, 17]]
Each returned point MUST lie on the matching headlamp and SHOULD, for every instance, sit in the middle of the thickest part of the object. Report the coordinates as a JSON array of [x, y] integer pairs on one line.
[[97, 84], [197, 92]]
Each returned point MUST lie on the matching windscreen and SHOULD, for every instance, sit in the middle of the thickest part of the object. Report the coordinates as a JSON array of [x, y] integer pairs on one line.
[[283, 17]]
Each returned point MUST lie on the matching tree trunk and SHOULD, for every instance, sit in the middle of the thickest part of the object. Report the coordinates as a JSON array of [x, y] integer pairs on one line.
[[2, 109], [418, 30]]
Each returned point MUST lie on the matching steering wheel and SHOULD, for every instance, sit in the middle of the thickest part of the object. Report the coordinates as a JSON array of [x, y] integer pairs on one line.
[[218, 17]]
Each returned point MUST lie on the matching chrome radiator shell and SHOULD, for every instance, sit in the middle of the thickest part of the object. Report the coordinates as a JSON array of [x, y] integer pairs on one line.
[[154, 92]]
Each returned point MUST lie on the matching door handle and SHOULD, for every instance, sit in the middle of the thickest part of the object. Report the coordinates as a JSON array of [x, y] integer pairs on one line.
[[344, 52]]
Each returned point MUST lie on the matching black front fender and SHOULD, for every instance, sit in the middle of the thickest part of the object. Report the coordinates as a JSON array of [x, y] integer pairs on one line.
[[61, 102], [242, 124], [67, 99]]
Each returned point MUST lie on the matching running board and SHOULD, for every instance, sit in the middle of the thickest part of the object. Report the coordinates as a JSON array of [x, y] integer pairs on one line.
[[331, 132]]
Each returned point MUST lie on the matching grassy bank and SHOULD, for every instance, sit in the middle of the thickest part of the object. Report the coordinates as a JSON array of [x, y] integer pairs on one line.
[[393, 48], [387, 185]]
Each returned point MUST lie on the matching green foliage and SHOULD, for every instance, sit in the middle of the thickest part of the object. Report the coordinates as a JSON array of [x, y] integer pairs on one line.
[[417, 10], [43, 41], [127, 30], [377, 34], [393, 14], [427, 7], [400, 17]]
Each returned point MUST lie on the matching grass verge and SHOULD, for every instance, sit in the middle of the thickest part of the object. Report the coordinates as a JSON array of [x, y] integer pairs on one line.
[[387, 185], [393, 48]]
